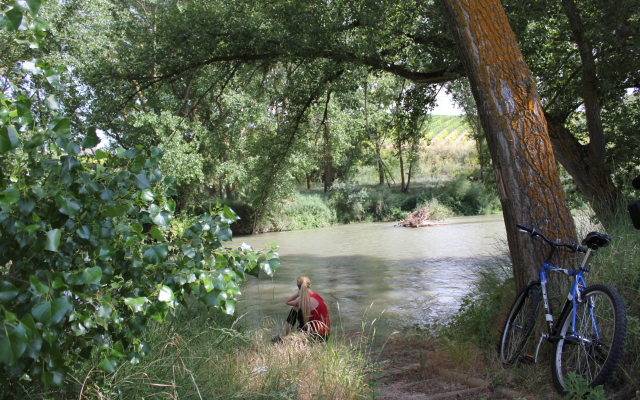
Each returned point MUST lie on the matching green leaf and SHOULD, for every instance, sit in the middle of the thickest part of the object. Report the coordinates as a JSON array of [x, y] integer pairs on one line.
[[9, 196], [108, 364], [84, 232], [30, 67], [270, 266], [11, 317], [34, 6], [146, 195], [12, 19], [60, 127], [37, 286], [163, 218], [54, 377], [225, 235], [170, 206], [114, 211], [141, 181], [101, 155], [92, 276], [230, 306], [52, 103], [156, 234], [211, 298], [91, 140], [8, 292], [68, 205], [51, 312], [52, 240], [54, 80], [26, 205], [70, 163], [136, 303], [13, 345], [158, 311], [166, 294], [8, 139], [156, 254]]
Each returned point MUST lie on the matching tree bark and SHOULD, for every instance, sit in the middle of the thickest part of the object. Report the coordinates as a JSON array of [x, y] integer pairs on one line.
[[514, 123]]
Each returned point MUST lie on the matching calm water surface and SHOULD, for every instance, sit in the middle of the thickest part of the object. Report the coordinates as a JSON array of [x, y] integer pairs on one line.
[[399, 276]]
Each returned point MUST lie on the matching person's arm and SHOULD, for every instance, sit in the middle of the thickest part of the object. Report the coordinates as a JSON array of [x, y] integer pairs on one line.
[[293, 300]]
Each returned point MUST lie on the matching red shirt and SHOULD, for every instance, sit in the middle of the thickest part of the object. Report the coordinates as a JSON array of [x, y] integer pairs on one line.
[[319, 318]]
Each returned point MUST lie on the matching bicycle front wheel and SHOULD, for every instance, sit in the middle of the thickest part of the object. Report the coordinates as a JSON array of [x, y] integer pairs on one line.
[[592, 347], [519, 324]]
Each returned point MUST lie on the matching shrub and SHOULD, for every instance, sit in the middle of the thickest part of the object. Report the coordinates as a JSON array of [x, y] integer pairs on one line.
[[465, 197], [348, 199], [304, 212]]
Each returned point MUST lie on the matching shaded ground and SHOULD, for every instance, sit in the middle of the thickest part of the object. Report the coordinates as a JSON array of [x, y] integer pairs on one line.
[[419, 371]]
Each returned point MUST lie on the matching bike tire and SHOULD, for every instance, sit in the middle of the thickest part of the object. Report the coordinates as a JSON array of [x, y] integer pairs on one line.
[[519, 324], [592, 358]]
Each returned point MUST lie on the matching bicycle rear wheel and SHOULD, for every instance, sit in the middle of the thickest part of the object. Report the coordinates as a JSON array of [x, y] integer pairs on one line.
[[519, 324], [593, 350]]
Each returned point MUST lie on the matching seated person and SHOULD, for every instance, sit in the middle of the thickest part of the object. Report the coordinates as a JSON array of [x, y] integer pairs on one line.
[[309, 311]]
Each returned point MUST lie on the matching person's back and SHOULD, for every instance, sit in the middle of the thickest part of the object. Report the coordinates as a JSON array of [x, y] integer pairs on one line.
[[319, 318], [308, 310]]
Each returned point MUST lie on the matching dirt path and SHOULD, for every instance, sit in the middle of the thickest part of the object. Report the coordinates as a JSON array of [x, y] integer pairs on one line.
[[419, 372]]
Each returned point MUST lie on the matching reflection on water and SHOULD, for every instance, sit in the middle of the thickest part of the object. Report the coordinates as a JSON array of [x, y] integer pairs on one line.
[[408, 275]]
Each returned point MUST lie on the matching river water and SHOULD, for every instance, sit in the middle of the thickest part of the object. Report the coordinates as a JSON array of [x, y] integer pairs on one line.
[[374, 271]]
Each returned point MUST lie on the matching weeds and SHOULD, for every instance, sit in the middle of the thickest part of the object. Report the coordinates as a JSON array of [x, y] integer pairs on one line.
[[203, 354]]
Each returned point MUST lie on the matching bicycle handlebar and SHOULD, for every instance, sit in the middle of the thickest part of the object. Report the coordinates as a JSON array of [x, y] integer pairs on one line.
[[533, 232]]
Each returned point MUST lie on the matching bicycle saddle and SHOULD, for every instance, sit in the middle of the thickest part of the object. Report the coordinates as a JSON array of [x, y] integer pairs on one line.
[[595, 240]]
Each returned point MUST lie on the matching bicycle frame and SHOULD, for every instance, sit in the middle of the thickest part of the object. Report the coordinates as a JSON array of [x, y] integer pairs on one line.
[[570, 305]]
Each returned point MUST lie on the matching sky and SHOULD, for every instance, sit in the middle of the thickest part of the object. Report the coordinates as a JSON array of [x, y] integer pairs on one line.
[[445, 105]]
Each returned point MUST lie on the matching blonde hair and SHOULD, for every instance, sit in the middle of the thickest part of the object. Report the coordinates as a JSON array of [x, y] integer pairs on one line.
[[304, 297]]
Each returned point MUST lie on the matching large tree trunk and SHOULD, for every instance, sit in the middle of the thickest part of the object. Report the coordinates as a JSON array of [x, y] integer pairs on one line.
[[513, 120]]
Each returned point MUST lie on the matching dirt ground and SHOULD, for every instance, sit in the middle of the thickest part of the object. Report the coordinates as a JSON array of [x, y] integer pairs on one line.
[[415, 369]]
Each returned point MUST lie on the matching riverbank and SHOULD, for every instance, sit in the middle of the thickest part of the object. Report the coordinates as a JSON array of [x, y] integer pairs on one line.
[[349, 202]]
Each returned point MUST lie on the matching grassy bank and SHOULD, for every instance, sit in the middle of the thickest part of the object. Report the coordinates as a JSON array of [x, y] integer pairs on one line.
[[203, 354]]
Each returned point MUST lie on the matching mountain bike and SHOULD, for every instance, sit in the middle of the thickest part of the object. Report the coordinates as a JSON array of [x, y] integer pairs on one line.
[[591, 330]]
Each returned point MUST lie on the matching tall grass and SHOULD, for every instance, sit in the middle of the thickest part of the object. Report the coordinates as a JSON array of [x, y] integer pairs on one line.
[[202, 354]]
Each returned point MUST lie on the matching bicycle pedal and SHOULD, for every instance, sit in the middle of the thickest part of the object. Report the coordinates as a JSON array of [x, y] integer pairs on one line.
[[527, 359]]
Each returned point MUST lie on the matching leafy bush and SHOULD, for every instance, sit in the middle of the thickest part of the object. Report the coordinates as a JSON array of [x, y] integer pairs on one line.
[[349, 199], [467, 198], [304, 212], [84, 259]]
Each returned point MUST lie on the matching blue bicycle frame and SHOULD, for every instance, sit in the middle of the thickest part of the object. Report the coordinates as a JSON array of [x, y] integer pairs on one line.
[[570, 305]]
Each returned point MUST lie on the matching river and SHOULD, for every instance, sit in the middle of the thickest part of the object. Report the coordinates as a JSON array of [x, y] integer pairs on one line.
[[374, 271]]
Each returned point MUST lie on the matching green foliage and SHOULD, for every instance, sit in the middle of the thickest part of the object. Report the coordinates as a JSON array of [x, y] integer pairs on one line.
[[623, 136], [348, 199], [304, 212], [84, 260], [577, 389], [466, 197]]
